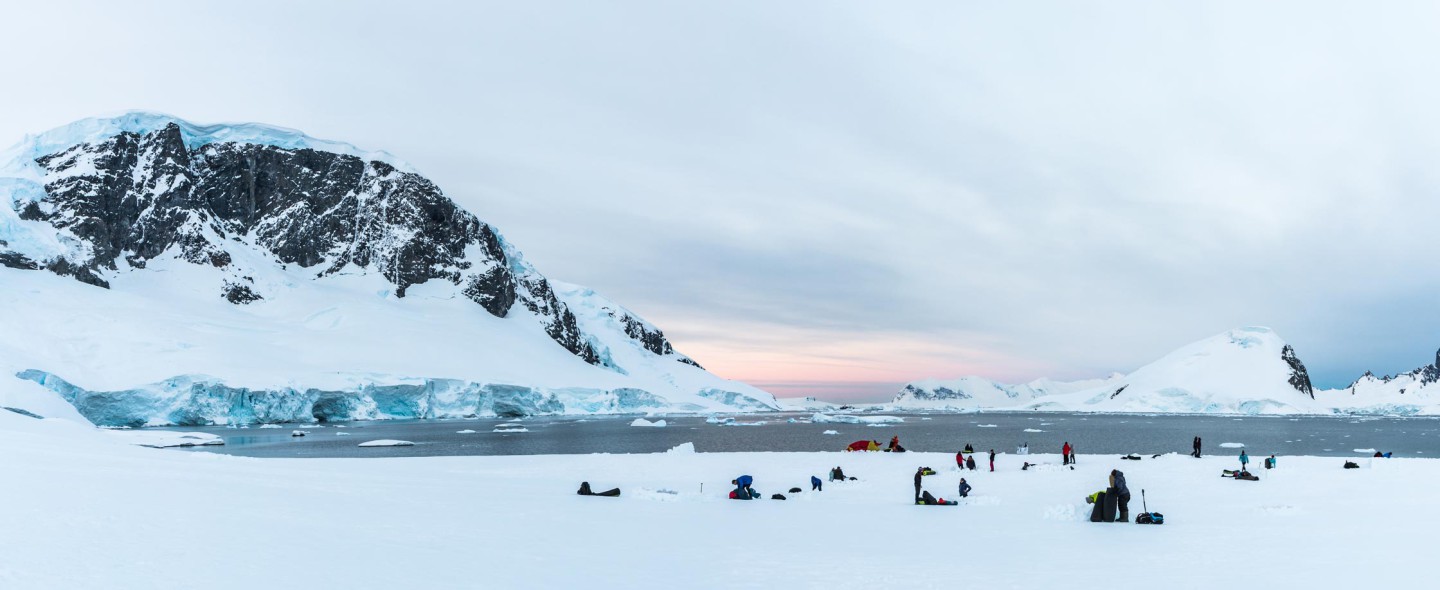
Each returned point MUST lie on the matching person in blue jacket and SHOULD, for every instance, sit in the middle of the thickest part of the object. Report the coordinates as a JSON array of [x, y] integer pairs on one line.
[[964, 488], [814, 484], [742, 488], [1244, 459]]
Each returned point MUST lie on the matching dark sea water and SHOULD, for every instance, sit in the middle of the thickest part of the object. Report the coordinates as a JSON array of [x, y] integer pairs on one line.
[[1089, 433]]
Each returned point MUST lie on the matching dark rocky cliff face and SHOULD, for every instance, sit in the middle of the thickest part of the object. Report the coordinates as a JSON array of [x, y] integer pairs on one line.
[[133, 198], [1299, 377]]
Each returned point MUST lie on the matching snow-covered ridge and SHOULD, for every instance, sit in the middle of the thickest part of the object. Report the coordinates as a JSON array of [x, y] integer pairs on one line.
[[1242, 371], [20, 159], [277, 265]]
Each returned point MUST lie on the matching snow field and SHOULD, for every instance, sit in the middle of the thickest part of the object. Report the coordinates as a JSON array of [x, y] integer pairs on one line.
[[86, 511]]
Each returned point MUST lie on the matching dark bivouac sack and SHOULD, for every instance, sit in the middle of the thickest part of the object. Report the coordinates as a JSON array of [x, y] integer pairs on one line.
[[794, 491], [927, 499], [1112, 501], [611, 493], [777, 497], [1098, 512], [1351, 465]]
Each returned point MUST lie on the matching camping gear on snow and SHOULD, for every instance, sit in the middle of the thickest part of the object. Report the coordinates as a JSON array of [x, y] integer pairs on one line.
[[927, 471], [1148, 517], [743, 494], [968, 449], [1270, 462], [795, 490], [585, 491], [1351, 465], [1131, 457], [777, 497], [863, 445], [927, 499]]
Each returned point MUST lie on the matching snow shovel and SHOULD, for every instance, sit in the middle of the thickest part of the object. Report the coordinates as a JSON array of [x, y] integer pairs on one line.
[[1148, 517]]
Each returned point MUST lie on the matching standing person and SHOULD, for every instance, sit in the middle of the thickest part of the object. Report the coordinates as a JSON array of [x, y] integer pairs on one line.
[[960, 460], [992, 460], [1117, 483], [1244, 459], [964, 488], [1198, 445], [919, 473], [1195, 447], [1065, 454]]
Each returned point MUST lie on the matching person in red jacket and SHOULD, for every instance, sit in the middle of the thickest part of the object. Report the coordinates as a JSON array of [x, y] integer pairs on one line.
[[1065, 453], [960, 460]]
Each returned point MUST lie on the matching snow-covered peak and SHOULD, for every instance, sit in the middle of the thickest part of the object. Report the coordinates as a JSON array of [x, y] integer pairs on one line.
[[20, 159], [1245, 370], [269, 223]]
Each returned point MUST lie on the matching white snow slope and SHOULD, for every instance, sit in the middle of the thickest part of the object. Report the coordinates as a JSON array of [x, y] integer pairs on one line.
[[160, 347], [1241, 371], [83, 511]]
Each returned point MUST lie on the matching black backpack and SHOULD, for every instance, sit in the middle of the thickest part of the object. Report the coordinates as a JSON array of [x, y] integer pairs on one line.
[[1150, 518]]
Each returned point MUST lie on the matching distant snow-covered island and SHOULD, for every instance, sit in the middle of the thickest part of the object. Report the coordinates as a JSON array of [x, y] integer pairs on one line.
[[1243, 371]]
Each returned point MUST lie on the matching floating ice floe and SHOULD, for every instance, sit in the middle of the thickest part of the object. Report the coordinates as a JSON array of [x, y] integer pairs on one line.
[[385, 442], [510, 429], [986, 426], [1366, 451], [1033, 430], [1233, 445], [851, 419], [831, 432], [644, 422], [160, 439], [270, 426], [466, 431]]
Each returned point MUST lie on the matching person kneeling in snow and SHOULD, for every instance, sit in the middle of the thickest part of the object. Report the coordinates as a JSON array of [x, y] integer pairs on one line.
[[742, 489]]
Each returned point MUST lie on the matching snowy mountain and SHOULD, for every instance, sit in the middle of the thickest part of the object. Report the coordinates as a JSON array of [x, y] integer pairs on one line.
[[1415, 392], [1242, 371], [250, 273]]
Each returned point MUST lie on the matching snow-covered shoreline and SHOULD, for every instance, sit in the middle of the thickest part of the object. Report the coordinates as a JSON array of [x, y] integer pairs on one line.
[[151, 518]]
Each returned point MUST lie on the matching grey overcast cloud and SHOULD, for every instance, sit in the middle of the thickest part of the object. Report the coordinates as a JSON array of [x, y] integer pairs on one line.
[[833, 198]]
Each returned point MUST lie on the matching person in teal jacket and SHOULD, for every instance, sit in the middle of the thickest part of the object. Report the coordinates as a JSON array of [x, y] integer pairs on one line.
[[1244, 459]]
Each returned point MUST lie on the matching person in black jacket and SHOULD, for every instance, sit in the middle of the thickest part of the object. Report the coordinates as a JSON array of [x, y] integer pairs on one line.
[[964, 488], [992, 460], [919, 473], [1122, 505]]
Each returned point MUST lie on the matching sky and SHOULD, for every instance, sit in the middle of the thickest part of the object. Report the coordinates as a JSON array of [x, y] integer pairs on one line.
[[833, 198]]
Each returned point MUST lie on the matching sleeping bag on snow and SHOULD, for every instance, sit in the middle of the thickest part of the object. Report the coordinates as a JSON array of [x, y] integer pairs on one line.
[[1112, 501]]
